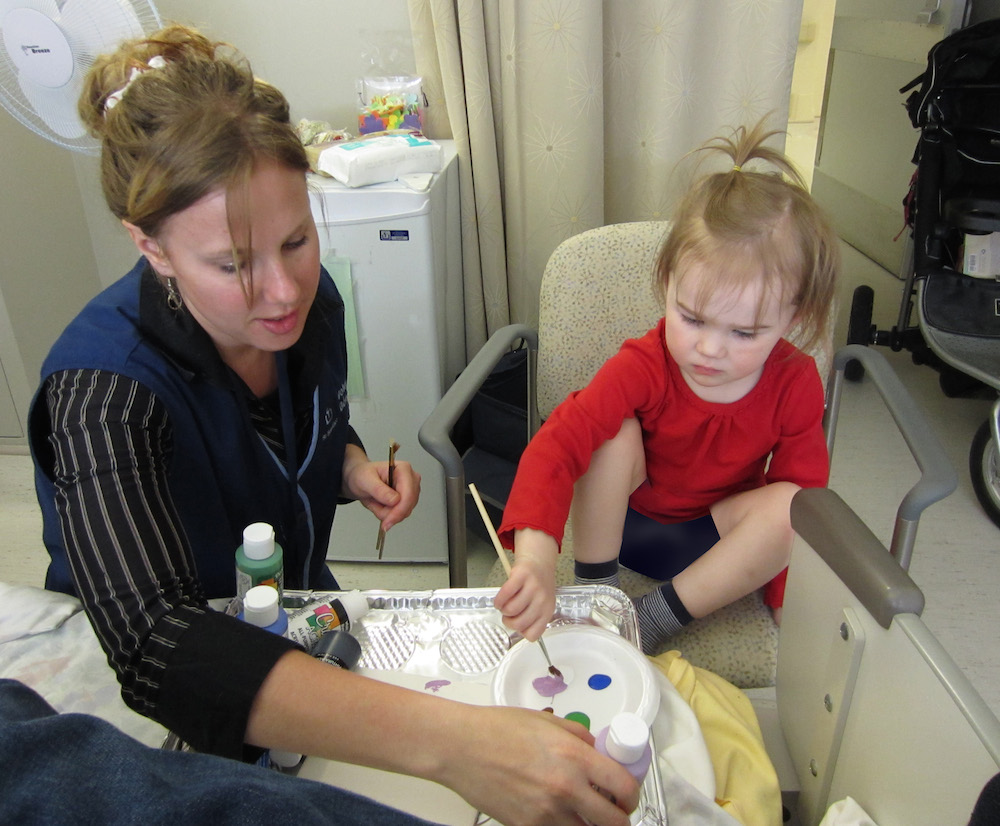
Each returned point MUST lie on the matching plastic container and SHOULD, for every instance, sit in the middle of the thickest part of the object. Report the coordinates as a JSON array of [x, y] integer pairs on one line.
[[338, 648], [261, 608], [308, 624], [259, 560], [626, 741]]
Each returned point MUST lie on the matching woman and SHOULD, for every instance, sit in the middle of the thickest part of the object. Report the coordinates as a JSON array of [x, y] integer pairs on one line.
[[206, 390]]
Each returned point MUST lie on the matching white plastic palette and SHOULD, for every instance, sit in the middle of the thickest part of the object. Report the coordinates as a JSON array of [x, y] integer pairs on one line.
[[604, 673]]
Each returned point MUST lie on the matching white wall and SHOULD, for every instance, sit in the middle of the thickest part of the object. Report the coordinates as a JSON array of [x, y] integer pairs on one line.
[[58, 242], [809, 78], [46, 262], [313, 50]]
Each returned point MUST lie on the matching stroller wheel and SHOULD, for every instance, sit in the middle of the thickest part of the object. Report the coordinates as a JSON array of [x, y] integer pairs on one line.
[[984, 467], [859, 327]]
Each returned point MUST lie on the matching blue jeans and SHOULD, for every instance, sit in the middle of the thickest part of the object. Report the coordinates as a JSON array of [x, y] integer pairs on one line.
[[76, 768]]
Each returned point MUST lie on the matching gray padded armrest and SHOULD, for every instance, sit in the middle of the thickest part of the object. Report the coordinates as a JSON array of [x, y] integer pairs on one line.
[[435, 433], [855, 555]]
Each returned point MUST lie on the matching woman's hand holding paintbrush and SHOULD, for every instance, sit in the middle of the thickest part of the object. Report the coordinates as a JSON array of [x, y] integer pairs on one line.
[[391, 495], [391, 482], [527, 599]]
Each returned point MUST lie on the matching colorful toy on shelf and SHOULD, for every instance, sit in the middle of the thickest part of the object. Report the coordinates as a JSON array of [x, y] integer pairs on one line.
[[390, 103]]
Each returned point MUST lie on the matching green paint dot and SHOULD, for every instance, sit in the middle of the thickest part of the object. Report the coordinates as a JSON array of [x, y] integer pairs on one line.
[[579, 717]]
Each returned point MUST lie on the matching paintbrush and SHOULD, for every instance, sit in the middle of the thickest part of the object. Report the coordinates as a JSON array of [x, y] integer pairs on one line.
[[393, 447], [555, 672]]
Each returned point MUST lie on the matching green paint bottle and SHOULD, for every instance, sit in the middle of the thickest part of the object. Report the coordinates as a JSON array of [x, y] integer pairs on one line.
[[259, 560]]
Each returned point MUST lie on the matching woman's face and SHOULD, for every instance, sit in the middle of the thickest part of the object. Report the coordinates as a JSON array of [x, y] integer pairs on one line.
[[196, 249]]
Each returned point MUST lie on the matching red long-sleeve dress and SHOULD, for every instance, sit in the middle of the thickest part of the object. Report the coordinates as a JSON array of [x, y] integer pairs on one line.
[[697, 452]]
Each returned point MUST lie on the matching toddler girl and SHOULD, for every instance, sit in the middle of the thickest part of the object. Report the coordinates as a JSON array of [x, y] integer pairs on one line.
[[681, 456]]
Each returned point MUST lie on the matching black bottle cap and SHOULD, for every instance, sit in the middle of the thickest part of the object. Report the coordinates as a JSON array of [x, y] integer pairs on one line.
[[338, 648]]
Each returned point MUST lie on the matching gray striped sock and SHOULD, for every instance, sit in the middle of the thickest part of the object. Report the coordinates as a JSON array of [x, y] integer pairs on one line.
[[657, 622]]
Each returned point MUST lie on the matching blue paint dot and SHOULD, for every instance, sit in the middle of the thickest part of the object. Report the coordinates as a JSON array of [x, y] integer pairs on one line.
[[598, 682]]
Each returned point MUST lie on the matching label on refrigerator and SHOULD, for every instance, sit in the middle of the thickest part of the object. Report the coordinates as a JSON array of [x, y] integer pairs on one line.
[[394, 235]]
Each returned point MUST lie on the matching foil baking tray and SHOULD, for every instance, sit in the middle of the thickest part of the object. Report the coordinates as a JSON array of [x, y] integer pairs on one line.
[[456, 635]]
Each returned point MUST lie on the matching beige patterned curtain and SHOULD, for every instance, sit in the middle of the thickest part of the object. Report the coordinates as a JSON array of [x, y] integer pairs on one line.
[[571, 114]]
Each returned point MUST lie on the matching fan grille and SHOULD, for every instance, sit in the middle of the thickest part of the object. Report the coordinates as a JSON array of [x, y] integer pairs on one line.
[[88, 28]]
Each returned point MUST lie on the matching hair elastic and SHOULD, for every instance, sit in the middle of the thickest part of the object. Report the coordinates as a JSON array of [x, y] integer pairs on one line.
[[155, 62]]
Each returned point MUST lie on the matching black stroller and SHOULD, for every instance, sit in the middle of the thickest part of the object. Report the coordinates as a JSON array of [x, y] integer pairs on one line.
[[952, 209]]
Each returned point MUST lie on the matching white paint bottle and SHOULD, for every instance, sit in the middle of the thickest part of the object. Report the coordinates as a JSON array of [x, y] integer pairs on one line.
[[310, 622]]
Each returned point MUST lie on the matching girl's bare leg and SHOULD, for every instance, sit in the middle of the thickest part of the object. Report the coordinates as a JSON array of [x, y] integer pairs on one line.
[[600, 497], [755, 544]]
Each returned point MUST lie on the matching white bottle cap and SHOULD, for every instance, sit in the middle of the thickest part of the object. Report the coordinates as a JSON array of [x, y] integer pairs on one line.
[[285, 759], [355, 603], [628, 735], [260, 605], [258, 540]]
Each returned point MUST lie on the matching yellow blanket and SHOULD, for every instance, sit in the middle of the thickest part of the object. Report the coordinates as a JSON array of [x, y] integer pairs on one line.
[[746, 782]]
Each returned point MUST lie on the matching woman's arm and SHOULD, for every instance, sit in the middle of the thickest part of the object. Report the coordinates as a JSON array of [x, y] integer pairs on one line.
[[522, 767], [111, 440]]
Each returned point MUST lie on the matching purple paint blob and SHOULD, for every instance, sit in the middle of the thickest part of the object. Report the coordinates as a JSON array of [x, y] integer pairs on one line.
[[549, 686], [436, 685], [599, 682]]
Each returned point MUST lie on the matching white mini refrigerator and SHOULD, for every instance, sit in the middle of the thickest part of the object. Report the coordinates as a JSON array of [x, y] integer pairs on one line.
[[395, 253]]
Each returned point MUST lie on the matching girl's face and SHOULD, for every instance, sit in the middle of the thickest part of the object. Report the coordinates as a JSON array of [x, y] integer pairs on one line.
[[721, 347], [195, 248]]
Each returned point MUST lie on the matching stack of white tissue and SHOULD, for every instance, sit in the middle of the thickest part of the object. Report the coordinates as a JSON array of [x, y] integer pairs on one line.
[[378, 159]]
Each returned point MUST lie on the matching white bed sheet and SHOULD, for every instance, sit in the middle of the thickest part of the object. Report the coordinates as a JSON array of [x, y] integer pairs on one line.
[[47, 643]]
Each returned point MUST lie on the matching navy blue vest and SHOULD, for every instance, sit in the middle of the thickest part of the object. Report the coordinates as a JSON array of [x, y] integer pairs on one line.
[[221, 474]]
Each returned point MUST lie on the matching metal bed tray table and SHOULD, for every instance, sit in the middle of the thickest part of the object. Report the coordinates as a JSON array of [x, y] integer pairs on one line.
[[452, 642]]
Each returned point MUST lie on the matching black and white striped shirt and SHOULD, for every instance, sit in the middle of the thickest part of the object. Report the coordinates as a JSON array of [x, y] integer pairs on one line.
[[176, 659]]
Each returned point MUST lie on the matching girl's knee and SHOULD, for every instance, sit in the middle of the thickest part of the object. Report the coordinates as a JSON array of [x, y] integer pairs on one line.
[[623, 455], [767, 507], [780, 495]]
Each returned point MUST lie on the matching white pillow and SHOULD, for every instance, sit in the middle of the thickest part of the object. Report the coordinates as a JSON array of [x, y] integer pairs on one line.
[[26, 610]]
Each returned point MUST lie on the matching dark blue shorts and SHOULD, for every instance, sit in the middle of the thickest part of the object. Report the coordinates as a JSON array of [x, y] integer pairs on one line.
[[661, 551]]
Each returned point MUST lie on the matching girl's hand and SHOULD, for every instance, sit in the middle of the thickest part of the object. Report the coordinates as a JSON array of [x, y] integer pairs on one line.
[[527, 600], [367, 482]]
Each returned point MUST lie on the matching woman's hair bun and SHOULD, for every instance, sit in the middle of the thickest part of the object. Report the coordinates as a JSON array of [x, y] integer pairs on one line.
[[111, 73]]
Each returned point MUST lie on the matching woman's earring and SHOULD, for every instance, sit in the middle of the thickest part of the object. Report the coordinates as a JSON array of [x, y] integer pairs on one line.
[[174, 300]]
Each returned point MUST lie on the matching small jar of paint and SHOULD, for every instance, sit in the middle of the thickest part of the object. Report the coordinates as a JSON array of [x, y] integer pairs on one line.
[[259, 560], [626, 741], [260, 608], [338, 648], [310, 623]]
